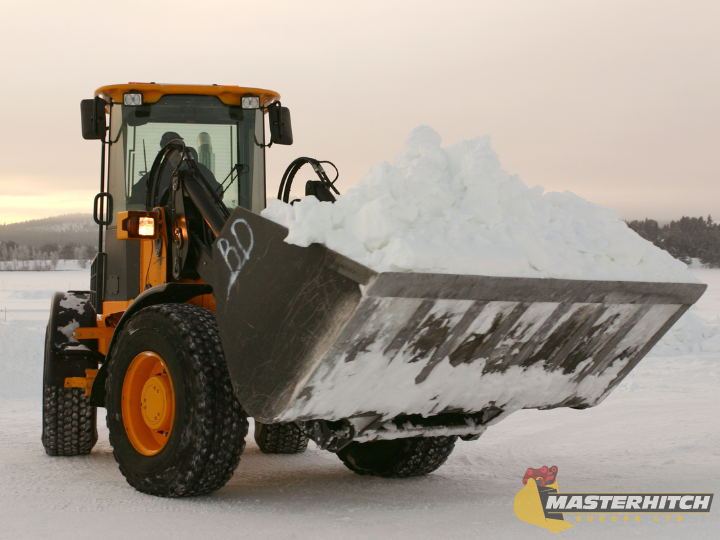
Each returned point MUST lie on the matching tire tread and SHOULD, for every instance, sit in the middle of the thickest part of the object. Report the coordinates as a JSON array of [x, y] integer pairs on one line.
[[69, 422], [280, 438]]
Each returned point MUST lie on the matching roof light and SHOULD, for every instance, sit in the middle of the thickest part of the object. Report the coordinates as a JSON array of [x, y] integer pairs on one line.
[[133, 99], [250, 102]]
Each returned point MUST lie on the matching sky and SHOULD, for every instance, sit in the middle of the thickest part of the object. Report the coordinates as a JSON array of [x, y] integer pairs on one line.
[[616, 101]]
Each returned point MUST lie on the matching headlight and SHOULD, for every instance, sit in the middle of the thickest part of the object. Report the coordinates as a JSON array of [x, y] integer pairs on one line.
[[250, 102], [138, 225], [133, 99], [146, 227]]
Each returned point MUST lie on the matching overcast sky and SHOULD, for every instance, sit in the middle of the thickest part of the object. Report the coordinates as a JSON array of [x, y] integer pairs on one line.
[[617, 101]]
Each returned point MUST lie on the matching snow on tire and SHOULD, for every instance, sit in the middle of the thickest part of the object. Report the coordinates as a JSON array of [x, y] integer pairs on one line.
[[280, 438], [397, 458], [209, 426]]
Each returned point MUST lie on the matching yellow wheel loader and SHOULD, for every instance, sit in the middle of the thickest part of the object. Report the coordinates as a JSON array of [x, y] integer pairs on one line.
[[200, 315]]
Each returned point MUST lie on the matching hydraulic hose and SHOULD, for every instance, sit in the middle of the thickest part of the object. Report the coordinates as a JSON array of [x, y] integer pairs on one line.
[[214, 213], [295, 166]]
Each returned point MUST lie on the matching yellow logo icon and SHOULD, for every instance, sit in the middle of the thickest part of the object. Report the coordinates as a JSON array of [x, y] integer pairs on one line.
[[530, 505]]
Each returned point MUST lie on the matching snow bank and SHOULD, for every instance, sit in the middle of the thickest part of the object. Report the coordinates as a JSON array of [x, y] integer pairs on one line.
[[454, 210], [21, 360], [691, 334]]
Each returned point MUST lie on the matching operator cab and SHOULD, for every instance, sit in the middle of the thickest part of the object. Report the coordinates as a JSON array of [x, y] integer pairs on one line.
[[219, 128], [222, 127]]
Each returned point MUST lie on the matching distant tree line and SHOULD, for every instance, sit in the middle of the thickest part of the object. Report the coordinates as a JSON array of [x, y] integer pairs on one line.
[[688, 238], [685, 239], [14, 256], [77, 228]]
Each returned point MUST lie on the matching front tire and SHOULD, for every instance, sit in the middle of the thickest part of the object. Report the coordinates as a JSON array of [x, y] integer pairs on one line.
[[175, 425], [397, 458]]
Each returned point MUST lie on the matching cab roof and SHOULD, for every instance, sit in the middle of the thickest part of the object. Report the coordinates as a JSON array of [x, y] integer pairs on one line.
[[151, 92]]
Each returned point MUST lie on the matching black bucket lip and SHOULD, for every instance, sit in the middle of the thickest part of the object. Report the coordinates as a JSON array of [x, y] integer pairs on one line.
[[511, 289], [522, 289]]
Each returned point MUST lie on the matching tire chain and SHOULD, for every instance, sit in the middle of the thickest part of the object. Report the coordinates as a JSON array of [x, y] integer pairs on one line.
[[222, 424], [69, 422], [280, 438]]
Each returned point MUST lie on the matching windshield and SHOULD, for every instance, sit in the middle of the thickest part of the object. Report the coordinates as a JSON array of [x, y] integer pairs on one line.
[[225, 141]]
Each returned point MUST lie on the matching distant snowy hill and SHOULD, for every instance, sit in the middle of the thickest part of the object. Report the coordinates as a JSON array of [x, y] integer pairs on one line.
[[66, 229]]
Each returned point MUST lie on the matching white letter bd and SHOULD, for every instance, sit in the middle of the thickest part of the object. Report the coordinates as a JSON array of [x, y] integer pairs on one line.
[[234, 251]]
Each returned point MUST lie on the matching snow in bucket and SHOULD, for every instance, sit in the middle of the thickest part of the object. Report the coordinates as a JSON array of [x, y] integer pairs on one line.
[[455, 210]]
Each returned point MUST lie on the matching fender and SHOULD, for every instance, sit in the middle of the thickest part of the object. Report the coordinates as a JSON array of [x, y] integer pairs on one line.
[[65, 356], [166, 293]]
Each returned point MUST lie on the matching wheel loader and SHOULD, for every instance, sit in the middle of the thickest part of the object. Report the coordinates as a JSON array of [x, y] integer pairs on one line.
[[199, 316]]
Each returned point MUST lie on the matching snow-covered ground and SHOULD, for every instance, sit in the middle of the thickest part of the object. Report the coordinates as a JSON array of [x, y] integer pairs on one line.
[[657, 432]]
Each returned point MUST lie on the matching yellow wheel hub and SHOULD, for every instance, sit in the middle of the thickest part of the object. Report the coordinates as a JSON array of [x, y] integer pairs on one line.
[[148, 403], [155, 400]]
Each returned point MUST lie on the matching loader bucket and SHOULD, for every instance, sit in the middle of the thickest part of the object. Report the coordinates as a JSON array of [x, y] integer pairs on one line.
[[311, 334]]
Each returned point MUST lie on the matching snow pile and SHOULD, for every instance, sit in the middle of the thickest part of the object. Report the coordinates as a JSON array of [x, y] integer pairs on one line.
[[454, 210], [691, 334]]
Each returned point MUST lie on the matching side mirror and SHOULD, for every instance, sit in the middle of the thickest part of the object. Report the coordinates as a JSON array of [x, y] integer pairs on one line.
[[92, 114], [280, 126]]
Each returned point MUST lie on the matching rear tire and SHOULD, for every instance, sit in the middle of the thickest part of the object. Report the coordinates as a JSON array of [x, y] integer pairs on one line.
[[280, 438], [69, 421], [397, 458], [208, 426]]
